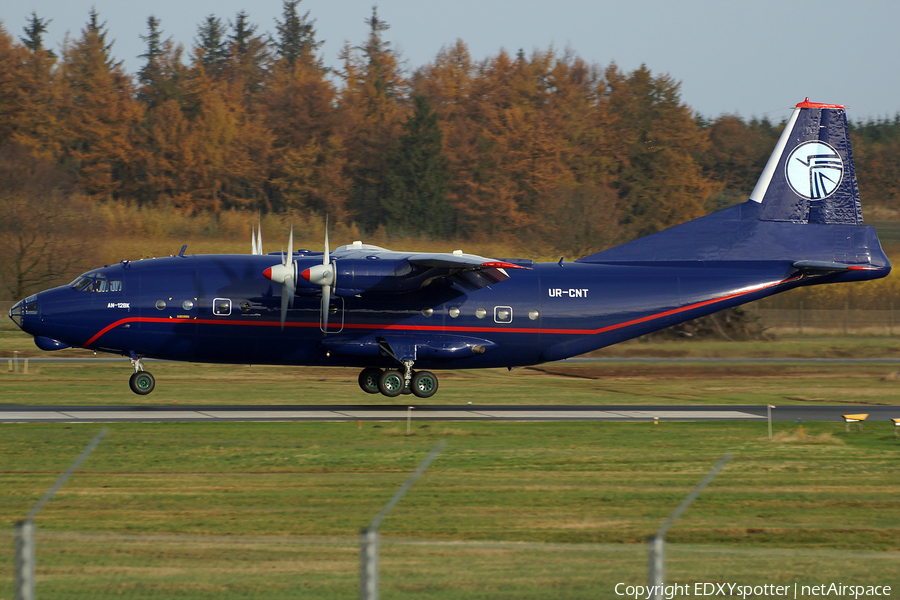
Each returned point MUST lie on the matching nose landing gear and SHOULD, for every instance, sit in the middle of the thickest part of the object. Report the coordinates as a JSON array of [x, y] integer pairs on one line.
[[141, 382]]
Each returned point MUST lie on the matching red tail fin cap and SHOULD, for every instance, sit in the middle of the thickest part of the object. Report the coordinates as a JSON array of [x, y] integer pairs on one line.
[[807, 104]]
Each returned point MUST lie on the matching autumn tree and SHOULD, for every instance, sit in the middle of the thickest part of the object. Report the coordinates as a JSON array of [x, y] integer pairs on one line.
[[98, 115], [14, 90], [737, 153], [308, 153], [876, 150], [657, 176], [27, 93], [521, 135]]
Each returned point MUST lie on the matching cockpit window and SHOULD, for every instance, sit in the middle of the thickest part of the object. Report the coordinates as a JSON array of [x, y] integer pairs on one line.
[[81, 283], [97, 282], [31, 305]]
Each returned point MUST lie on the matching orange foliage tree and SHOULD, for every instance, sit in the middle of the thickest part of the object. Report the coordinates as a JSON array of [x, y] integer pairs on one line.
[[521, 148]]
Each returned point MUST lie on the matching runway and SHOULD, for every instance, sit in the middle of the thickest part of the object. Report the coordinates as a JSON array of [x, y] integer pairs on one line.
[[486, 412]]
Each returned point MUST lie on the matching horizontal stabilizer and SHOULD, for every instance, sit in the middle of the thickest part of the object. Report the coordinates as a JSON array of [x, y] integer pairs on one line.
[[815, 267]]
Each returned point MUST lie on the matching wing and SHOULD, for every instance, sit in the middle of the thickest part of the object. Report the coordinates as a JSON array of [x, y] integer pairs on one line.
[[361, 269]]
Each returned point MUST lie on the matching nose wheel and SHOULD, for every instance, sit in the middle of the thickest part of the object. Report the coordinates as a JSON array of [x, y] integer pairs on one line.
[[141, 382]]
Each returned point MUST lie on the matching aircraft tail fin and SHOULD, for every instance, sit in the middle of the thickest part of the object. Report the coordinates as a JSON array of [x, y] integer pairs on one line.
[[804, 210], [810, 177]]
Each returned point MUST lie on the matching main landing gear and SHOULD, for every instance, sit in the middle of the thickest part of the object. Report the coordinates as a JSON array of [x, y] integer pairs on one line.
[[393, 382], [141, 382]]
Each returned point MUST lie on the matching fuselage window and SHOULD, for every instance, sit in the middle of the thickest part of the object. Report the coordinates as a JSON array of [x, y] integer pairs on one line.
[[222, 307], [503, 314]]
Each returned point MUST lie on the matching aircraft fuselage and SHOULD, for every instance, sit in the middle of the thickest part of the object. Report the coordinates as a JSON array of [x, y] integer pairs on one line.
[[219, 308]]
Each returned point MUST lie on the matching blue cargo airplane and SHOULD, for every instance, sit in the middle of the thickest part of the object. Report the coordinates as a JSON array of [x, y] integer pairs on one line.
[[387, 312]]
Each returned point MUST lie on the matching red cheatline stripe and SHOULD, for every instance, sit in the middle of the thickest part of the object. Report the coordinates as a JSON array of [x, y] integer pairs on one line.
[[445, 329]]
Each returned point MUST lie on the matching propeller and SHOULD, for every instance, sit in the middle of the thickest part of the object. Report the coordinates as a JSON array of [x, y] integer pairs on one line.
[[285, 274], [323, 275]]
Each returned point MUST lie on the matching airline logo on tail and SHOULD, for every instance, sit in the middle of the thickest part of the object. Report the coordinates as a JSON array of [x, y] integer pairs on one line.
[[814, 170]]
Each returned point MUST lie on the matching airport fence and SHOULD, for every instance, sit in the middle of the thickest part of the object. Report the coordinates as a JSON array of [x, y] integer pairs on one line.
[[75, 565]]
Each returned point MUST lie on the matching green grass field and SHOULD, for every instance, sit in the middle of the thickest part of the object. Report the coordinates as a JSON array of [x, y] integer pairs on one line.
[[591, 383], [509, 510], [615, 383]]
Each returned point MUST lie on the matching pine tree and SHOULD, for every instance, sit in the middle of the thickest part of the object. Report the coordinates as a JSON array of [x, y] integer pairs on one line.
[[242, 31], [296, 36], [211, 46], [251, 58], [34, 32], [150, 71], [371, 110], [417, 181]]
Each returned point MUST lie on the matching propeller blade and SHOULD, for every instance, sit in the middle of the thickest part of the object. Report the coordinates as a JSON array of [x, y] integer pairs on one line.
[[284, 273], [327, 280], [253, 241], [325, 257], [326, 306], [285, 291], [290, 253], [259, 237]]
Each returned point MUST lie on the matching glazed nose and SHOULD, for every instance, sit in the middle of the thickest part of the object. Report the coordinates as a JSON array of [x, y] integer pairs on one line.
[[28, 306]]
